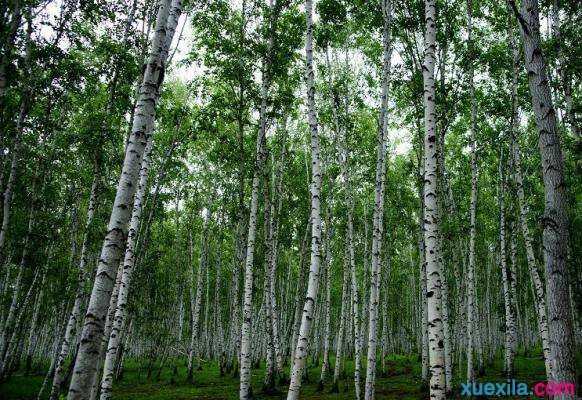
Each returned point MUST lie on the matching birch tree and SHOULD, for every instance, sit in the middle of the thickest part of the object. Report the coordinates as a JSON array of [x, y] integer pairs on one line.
[[539, 292], [80, 293], [245, 390], [555, 225], [473, 206], [315, 218], [196, 297], [506, 276], [342, 326], [449, 291], [128, 265], [325, 365], [431, 223], [93, 325], [378, 227]]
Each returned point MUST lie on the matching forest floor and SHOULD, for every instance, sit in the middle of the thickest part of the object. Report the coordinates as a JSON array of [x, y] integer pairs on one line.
[[401, 382]]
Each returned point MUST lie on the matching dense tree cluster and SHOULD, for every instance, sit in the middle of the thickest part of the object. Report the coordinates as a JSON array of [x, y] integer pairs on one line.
[[275, 185]]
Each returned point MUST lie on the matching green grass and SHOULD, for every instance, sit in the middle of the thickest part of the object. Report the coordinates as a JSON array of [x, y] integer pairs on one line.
[[402, 382]]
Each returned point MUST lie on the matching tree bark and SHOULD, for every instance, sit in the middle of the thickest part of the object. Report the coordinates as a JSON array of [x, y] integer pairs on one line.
[[538, 288], [274, 229], [87, 358], [10, 324], [196, 302], [355, 307], [378, 227], [245, 351], [313, 282], [268, 226], [80, 294], [431, 222], [325, 366], [555, 219], [471, 310], [510, 334], [128, 267], [17, 141], [342, 325]]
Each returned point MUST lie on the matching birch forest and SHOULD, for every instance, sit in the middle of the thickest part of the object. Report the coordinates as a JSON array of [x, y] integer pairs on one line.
[[290, 199]]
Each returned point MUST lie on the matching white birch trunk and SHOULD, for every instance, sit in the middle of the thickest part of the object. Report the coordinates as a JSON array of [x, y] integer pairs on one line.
[[218, 327], [10, 324], [447, 335], [510, 334], [327, 265], [512, 275], [245, 390], [82, 276], [355, 309], [88, 355], [235, 323], [274, 254], [297, 302], [245, 349], [555, 219], [539, 292], [424, 310], [17, 143], [192, 293], [473, 211], [355, 298], [342, 326], [107, 331], [206, 311], [7, 195], [313, 282], [385, 339], [197, 302], [378, 227], [13, 341], [127, 271], [54, 353], [268, 226], [431, 222], [33, 335]]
